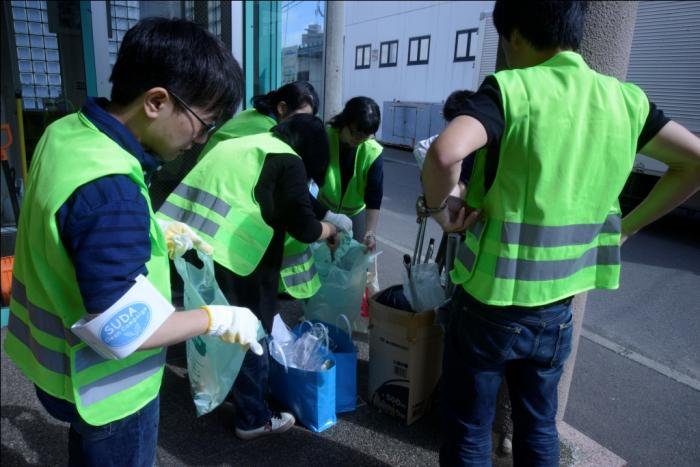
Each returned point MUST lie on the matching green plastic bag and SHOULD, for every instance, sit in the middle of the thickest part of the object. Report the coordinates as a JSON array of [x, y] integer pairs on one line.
[[212, 364]]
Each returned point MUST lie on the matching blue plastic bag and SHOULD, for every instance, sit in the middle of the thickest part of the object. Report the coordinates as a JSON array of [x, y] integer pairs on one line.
[[345, 353], [343, 281], [310, 395], [212, 364]]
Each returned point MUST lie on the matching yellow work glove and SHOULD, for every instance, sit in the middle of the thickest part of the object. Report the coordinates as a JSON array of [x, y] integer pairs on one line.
[[180, 238], [235, 325]]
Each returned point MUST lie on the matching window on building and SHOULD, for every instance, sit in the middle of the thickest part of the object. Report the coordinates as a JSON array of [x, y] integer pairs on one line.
[[37, 53], [122, 15], [362, 56], [303, 75], [388, 53], [418, 50], [465, 45]]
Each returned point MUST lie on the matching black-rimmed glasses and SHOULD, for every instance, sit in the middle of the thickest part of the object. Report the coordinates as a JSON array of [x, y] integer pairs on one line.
[[207, 128]]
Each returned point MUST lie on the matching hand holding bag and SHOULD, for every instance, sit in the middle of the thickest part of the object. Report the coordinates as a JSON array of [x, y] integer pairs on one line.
[[212, 364]]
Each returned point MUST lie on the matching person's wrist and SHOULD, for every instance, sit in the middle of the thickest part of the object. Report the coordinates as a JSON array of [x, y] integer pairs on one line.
[[424, 209], [209, 320], [438, 211], [333, 229], [220, 319]]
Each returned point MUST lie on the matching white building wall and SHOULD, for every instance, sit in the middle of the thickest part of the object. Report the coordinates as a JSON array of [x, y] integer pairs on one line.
[[379, 21]]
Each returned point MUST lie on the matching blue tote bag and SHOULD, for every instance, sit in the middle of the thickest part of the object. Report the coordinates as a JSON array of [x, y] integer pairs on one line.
[[310, 395], [345, 353]]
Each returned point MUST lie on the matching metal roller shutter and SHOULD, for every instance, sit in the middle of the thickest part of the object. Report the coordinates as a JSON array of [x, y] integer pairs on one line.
[[488, 44], [665, 58]]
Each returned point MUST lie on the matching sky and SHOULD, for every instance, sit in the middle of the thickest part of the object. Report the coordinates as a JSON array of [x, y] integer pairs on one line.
[[296, 16]]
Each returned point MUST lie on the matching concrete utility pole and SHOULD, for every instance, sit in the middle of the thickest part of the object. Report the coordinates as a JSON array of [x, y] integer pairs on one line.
[[333, 77], [606, 45]]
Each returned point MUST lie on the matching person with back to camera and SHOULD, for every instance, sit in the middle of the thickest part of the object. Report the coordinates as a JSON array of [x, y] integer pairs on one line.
[[544, 226], [88, 240], [354, 180], [298, 276], [244, 206]]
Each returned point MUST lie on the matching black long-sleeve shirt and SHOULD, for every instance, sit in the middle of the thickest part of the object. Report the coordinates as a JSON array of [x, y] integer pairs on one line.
[[283, 195]]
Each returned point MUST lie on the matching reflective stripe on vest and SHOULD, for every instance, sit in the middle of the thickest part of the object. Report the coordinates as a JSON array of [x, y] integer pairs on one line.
[[553, 236], [207, 200], [295, 260], [298, 275], [40, 318], [548, 236], [120, 380], [57, 362], [300, 278], [190, 218]]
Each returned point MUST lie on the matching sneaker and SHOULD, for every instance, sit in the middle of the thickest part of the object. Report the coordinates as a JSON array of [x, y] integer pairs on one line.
[[279, 423]]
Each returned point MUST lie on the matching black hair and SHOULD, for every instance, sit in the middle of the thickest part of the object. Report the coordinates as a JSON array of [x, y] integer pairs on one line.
[[360, 111], [183, 58], [306, 134], [455, 103], [295, 95], [545, 24]]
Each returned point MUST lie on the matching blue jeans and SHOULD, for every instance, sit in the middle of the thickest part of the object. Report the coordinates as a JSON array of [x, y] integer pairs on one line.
[[250, 390], [129, 442], [482, 344]]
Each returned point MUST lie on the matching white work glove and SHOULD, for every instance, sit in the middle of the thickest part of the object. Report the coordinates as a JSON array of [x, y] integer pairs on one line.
[[341, 221], [180, 238], [234, 324]]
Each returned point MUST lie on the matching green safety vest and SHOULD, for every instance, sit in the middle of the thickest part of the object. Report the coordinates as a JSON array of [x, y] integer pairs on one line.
[[551, 222], [298, 276], [353, 200], [246, 123], [217, 200], [46, 299]]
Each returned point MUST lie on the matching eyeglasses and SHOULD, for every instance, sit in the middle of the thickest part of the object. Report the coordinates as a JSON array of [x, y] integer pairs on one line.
[[207, 128]]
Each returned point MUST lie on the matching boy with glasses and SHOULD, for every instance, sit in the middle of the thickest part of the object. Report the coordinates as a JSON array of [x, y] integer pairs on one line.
[[90, 313]]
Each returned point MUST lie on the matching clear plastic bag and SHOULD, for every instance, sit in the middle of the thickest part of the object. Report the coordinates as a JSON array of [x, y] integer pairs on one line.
[[422, 289], [343, 280], [309, 350]]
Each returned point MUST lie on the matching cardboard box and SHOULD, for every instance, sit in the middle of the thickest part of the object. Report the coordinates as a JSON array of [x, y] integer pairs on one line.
[[405, 361]]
